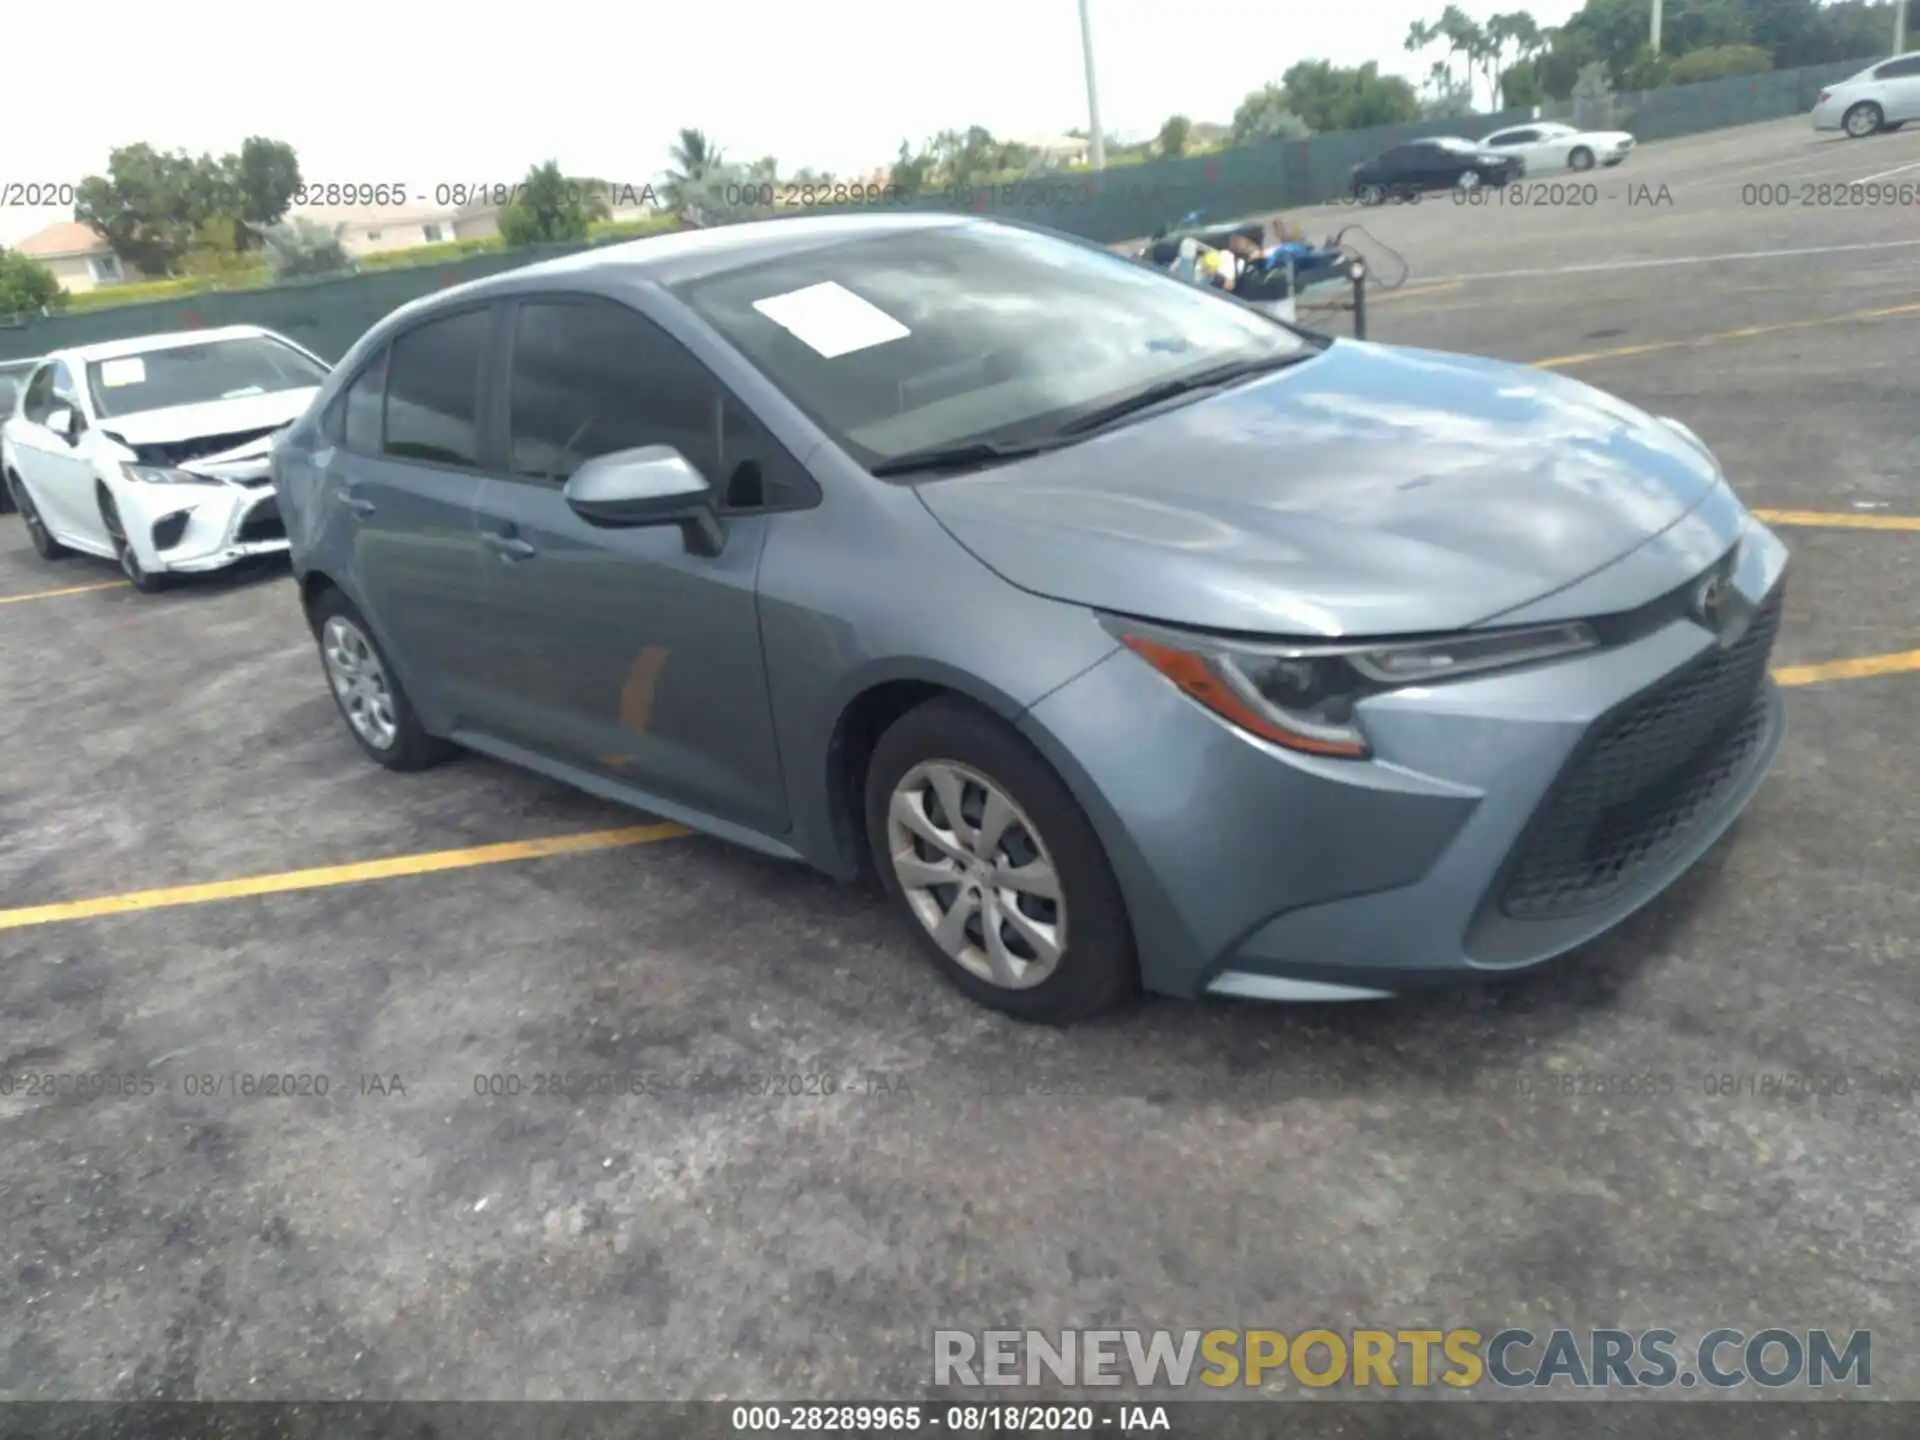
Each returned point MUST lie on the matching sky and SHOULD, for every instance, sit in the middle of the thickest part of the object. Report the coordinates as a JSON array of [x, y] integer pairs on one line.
[[406, 93]]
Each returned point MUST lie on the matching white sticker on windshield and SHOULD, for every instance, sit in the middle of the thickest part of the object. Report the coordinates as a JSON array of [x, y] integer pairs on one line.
[[831, 319], [129, 370]]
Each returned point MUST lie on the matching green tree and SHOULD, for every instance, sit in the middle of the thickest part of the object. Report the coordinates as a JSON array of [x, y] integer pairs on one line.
[[1175, 135], [552, 207], [695, 158], [1266, 115], [1457, 30], [912, 170], [264, 177], [27, 286], [1329, 97], [150, 206], [1444, 95]]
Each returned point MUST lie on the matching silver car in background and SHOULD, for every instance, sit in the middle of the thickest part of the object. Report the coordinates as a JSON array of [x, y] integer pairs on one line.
[[1884, 96]]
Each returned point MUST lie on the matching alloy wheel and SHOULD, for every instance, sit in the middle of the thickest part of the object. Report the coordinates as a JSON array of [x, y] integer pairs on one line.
[[977, 874], [1862, 121], [359, 682], [1470, 180]]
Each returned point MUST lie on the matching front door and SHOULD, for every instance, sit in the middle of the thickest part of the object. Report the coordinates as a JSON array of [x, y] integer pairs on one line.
[[59, 474], [618, 650]]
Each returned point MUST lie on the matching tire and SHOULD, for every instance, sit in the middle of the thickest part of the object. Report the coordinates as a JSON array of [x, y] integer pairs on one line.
[[146, 581], [951, 744], [1863, 120], [392, 735], [1371, 195], [44, 545], [1468, 180], [1580, 158]]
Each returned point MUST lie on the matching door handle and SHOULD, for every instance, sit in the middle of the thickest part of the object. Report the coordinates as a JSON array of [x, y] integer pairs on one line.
[[355, 503], [508, 547]]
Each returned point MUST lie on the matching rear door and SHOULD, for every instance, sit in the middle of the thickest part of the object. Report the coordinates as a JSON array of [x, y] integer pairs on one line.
[[617, 650], [401, 483]]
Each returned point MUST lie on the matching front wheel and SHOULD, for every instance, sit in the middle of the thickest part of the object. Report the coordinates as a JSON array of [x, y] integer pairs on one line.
[[1580, 159], [147, 582], [1371, 195], [1469, 180], [999, 871], [1863, 120]]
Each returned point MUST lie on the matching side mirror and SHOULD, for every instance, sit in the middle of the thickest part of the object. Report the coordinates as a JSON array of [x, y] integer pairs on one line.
[[65, 423], [654, 485]]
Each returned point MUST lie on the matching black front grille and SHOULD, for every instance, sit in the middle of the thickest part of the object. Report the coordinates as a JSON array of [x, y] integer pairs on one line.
[[263, 522], [1643, 778]]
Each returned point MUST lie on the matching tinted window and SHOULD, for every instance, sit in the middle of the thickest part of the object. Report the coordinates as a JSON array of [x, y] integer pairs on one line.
[[1514, 137], [1898, 68], [590, 378], [196, 374], [63, 382], [962, 332], [433, 390], [361, 408]]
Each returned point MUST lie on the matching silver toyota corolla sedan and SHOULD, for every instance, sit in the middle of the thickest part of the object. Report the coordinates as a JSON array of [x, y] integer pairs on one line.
[[1133, 637]]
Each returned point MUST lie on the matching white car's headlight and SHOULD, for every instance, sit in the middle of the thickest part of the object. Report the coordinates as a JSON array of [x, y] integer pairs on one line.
[[1303, 695], [165, 475]]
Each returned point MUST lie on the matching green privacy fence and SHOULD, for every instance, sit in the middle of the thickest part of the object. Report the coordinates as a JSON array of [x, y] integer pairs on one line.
[[1121, 203]]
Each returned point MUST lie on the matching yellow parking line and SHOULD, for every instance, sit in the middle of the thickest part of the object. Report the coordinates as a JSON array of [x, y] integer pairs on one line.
[[325, 875], [1858, 669], [1842, 520], [1720, 338], [54, 594]]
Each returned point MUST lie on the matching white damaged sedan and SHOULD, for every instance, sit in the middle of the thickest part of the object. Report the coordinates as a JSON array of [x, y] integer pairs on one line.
[[153, 452]]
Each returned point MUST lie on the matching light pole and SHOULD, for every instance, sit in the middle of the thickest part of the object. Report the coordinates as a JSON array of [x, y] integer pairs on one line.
[[1654, 38], [1899, 27], [1099, 156]]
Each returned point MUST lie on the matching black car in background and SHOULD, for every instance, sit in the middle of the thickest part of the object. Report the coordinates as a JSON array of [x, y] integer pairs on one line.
[[13, 380], [1442, 163]]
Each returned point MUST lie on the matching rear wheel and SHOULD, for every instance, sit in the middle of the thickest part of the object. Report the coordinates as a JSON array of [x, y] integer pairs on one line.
[[379, 716], [1001, 875], [1372, 194], [1469, 180], [44, 545], [146, 581], [1863, 120]]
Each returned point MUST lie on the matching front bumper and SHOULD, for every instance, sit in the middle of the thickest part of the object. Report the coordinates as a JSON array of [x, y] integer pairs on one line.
[[1258, 872], [192, 529]]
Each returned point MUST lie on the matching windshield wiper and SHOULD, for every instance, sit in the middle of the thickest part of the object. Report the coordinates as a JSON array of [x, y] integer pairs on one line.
[[974, 454], [1173, 389]]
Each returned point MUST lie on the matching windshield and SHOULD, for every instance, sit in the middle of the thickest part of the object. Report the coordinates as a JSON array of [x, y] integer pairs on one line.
[[926, 339], [196, 374]]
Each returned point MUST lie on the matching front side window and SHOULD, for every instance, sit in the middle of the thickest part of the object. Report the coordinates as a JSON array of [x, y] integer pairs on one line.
[[433, 391], [37, 402], [199, 374], [362, 409], [923, 339], [591, 377]]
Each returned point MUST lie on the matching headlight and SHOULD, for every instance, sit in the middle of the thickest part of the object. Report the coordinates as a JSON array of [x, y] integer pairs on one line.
[[165, 475], [1303, 696]]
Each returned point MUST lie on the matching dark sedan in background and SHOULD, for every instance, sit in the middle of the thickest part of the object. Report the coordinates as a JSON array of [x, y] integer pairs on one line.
[[1444, 163]]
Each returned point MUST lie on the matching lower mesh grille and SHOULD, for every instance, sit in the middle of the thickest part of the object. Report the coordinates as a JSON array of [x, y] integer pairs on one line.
[[1644, 779]]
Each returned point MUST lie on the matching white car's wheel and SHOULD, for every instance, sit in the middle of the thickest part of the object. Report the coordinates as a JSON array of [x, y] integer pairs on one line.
[[146, 581], [1580, 158], [1863, 120], [44, 545]]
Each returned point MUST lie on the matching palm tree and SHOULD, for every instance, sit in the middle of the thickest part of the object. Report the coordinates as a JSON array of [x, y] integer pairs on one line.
[[696, 160]]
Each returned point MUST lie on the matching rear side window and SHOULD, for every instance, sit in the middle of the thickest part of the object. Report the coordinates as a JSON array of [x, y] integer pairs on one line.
[[433, 391], [361, 408], [1897, 69], [591, 377]]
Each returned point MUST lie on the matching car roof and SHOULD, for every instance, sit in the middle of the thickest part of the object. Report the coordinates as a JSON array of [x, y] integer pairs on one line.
[[684, 254], [167, 340]]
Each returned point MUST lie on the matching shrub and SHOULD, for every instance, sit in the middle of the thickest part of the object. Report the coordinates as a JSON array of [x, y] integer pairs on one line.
[[431, 254], [108, 296], [1716, 62], [607, 230]]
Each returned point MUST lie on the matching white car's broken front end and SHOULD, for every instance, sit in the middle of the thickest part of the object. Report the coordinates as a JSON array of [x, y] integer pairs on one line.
[[196, 502]]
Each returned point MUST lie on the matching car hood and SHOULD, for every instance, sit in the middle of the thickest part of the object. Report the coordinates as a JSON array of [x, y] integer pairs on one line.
[[199, 433], [1366, 491]]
